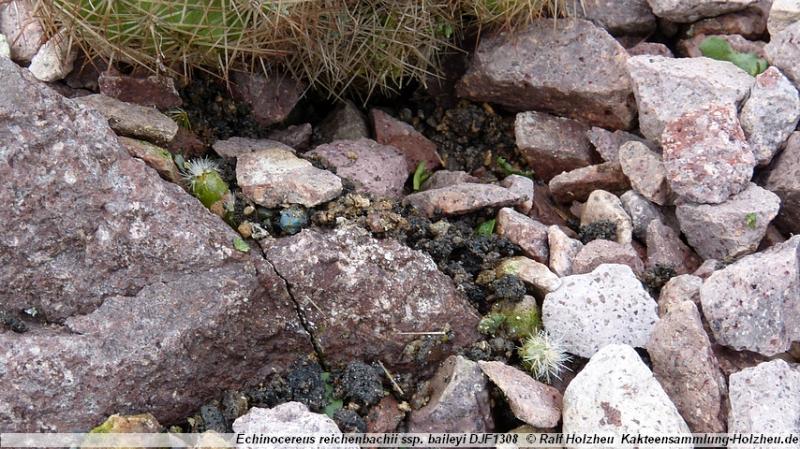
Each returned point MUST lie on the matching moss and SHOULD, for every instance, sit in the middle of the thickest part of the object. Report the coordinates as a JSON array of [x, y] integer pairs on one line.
[[602, 229], [656, 277]]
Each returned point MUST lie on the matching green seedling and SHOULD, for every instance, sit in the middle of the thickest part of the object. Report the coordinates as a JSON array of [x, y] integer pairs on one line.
[[180, 117], [750, 219], [333, 404], [207, 185], [486, 228], [509, 169], [715, 47], [421, 174], [241, 245]]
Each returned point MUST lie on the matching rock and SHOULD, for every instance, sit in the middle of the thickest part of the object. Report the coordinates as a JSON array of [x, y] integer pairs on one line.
[[155, 157], [385, 416], [132, 120], [751, 304], [355, 291], [187, 144], [5, 49], [377, 169], [562, 251], [706, 155], [646, 172], [533, 273], [22, 29], [54, 60], [651, 49], [690, 48], [346, 122], [154, 91], [687, 11], [616, 393], [728, 230], [528, 233], [571, 68], [608, 305], [687, 369], [684, 287], [619, 17], [600, 251], [667, 88], [578, 184], [294, 136], [782, 14], [136, 278], [459, 403], [666, 249], [240, 146], [143, 423], [415, 147], [531, 401], [770, 114], [447, 178], [607, 143], [783, 51], [605, 206], [641, 211], [271, 98], [750, 23], [274, 176], [289, 418], [708, 267], [784, 180], [551, 144], [522, 186], [461, 199], [765, 399]]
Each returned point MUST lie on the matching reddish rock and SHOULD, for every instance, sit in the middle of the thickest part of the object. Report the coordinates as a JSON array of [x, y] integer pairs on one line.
[[385, 416], [546, 211], [576, 185], [526, 232], [607, 143], [684, 287], [155, 91], [563, 250], [462, 199], [399, 134], [650, 48], [346, 122], [750, 23], [531, 401], [295, 136], [187, 144], [522, 186], [600, 251], [646, 172], [784, 180], [551, 144], [22, 29], [569, 67], [666, 249], [446, 178], [271, 98]]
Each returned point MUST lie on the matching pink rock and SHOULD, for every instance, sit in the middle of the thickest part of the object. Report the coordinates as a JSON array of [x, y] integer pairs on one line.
[[271, 98], [551, 144], [665, 248], [399, 134], [526, 232], [445, 178], [462, 199], [650, 48], [600, 251], [578, 184], [522, 186], [531, 401], [155, 91]]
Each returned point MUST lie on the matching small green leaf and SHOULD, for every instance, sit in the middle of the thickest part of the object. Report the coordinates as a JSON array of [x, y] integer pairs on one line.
[[750, 220], [333, 406], [715, 47], [421, 174], [486, 228], [509, 169], [241, 245]]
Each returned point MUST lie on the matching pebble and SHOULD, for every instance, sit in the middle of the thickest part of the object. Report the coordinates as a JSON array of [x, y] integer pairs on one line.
[[646, 172], [54, 60], [641, 211], [154, 156], [684, 287], [446, 178], [289, 418], [551, 144], [238, 146], [415, 147], [526, 232], [531, 272], [784, 180], [783, 51], [271, 97], [687, 11], [522, 186], [607, 143], [531, 401], [666, 249], [563, 250], [132, 120], [461, 199], [576, 185], [601, 251], [782, 14], [605, 206], [22, 29], [346, 122]]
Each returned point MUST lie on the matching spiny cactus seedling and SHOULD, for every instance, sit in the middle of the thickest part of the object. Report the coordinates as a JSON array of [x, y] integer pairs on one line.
[[207, 185], [544, 356]]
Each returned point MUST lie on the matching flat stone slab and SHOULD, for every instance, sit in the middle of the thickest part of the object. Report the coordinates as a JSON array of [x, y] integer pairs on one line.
[[531, 401], [132, 120], [462, 199]]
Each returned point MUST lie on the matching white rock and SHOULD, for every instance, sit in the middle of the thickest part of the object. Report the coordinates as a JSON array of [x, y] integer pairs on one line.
[[605, 206], [782, 14], [666, 88], [770, 114], [616, 393], [765, 399], [685, 11], [608, 305], [290, 418], [563, 250], [54, 60], [22, 29]]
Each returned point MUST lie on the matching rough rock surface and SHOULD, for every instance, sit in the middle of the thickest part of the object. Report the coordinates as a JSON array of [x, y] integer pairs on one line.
[[132, 120], [136, 270], [271, 98], [782, 14], [608, 305], [54, 60], [273, 177], [551, 144], [770, 114], [783, 51], [346, 122], [378, 169], [607, 143], [154, 91], [354, 291], [295, 136], [156, 157], [646, 172], [684, 287], [666, 249], [651, 49], [706, 155], [531, 401], [571, 68], [752, 304], [619, 16], [522, 186], [562, 250], [576, 185], [605, 206], [686, 11], [526, 232], [415, 147], [728, 230], [750, 23], [462, 199], [641, 211], [22, 29], [531, 272], [784, 181], [666, 88], [459, 402], [765, 398], [446, 178], [616, 393], [239, 146], [600, 251], [289, 418], [687, 369], [5, 49]]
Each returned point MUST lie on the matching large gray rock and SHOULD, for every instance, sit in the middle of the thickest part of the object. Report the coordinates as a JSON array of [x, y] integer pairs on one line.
[[570, 68], [765, 399], [770, 114], [140, 295], [706, 155], [685, 11], [608, 305], [551, 144], [752, 304], [666, 88], [728, 230], [459, 401], [687, 369], [783, 51], [353, 292], [784, 180], [619, 16], [616, 393], [289, 418], [531, 401]]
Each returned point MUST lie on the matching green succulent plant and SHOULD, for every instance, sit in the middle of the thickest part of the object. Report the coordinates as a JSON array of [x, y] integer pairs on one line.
[[718, 48], [544, 356], [207, 185]]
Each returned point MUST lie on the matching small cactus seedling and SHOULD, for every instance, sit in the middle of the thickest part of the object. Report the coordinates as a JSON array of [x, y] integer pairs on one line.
[[544, 356], [207, 185]]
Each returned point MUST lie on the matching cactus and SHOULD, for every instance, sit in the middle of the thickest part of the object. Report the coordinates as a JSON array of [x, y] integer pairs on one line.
[[544, 356], [207, 185]]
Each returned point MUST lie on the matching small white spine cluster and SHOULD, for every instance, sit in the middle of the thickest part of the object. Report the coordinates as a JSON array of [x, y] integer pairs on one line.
[[544, 355]]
